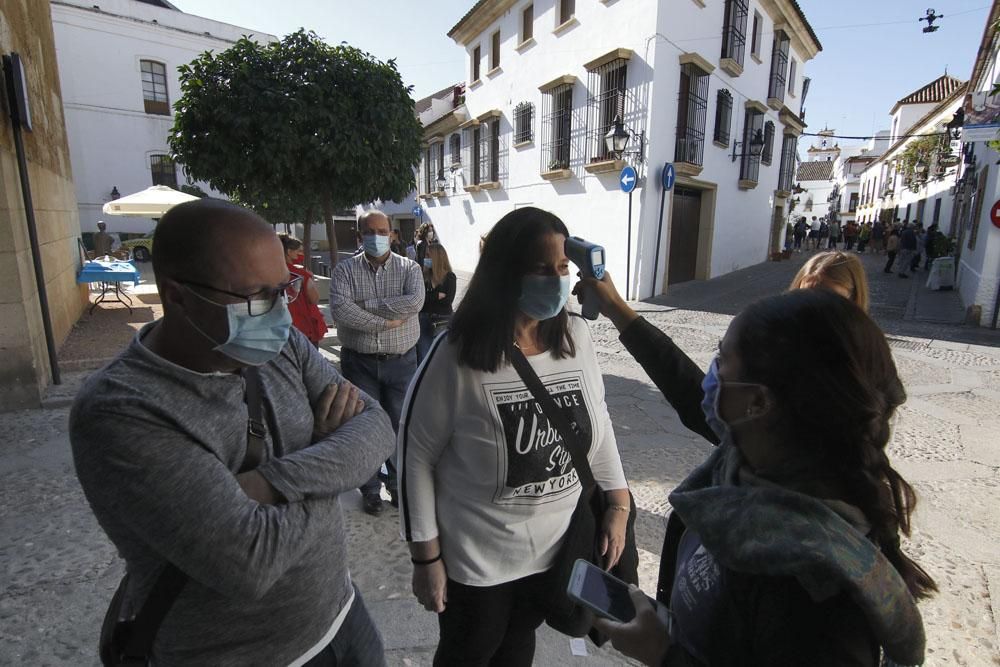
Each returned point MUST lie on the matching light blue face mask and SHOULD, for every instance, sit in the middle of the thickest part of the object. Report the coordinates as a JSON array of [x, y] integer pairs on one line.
[[712, 386], [543, 297], [428, 262], [253, 340], [375, 245]]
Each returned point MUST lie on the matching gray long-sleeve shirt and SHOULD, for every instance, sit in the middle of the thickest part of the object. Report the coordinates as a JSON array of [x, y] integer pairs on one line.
[[157, 447]]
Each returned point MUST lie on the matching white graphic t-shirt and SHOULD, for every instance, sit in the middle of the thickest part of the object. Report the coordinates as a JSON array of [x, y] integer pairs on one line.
[[482, 469]]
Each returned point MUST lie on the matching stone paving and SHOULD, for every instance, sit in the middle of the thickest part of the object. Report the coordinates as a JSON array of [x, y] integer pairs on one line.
[[58, 569]]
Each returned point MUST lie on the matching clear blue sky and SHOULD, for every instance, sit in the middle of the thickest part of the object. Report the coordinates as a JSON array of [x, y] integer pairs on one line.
[[873, 50]]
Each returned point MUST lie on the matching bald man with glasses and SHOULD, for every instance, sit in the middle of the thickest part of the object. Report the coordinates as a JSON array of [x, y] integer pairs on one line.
[[213, 450]]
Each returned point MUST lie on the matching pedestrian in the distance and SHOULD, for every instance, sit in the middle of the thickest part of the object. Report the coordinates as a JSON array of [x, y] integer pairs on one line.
[[864, 233], [814, 233], [850, 234], [834, 235], [931, 251], [907, 247], [441, 283], [102, 241], [396, 243], [921, 245], [800, 234], [306, 315], [891, 249], [878, 237]]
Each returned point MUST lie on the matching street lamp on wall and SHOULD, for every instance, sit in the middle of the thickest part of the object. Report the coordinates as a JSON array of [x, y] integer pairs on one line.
[[618, 137], [756, 146], [114, 192]]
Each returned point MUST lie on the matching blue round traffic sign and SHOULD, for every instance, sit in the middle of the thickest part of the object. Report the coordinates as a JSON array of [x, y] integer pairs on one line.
[[669, 176], [628, 179], [417, 211]]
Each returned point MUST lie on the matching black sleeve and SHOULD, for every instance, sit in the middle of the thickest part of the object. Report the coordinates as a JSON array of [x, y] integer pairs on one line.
[[449, 287], [677, 377], [789, 628]]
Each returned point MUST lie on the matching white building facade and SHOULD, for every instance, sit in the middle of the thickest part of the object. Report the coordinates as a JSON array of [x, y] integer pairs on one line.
[[546, 81], [897, 187], [978, 185], [118, 70]]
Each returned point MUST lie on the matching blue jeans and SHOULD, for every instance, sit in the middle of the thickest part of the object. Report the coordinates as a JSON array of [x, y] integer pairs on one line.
[[357, 642], [386, 381], [428, 333]]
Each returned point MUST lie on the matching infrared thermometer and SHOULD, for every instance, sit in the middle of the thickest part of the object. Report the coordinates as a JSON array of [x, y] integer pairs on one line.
[[589, 257]]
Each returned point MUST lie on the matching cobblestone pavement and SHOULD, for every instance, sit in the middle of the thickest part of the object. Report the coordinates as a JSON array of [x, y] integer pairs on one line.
[[58, 570]]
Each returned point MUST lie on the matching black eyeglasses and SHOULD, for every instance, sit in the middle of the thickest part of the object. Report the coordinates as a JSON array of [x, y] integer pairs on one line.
[[262, 302]]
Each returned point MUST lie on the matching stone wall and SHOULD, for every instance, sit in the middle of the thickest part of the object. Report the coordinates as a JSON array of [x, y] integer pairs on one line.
[[26, 28]]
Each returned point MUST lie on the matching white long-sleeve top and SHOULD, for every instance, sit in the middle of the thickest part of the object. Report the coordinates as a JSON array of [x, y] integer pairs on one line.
[[483, 470]]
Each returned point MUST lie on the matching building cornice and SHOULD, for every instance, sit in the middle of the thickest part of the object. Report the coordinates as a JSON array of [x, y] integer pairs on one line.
[[791, 121], [610, 56], [477, 19], [788, 16], [565, 79], [696, 59]]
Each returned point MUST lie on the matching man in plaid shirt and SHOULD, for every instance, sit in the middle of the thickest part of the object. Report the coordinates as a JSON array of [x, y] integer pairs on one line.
[[375, 297]]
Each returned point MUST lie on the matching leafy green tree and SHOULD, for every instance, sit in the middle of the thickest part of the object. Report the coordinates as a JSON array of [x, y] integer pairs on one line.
[[296, 124]]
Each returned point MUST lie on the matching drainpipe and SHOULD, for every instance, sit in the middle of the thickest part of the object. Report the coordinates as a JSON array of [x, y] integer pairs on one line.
[[17, 91]]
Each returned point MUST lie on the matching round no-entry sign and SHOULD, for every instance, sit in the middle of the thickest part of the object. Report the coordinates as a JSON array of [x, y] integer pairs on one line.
[[995, 214]]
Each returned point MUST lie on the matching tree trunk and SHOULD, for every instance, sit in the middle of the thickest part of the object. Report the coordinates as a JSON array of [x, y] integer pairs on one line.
[[307, 236], [331, 233]]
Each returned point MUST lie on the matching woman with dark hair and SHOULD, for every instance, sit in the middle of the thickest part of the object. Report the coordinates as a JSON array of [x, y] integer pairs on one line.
[[306, 315], [487, 484], [784, 546]]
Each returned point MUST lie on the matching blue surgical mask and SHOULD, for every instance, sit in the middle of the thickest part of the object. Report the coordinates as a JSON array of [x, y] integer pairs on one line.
[[428, 262], [712, 387], [376, 245], [543, 297], [253, 340]]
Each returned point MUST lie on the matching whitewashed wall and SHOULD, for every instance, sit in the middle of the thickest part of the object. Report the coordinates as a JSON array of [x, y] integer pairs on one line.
[[110, 135], [592, 205]]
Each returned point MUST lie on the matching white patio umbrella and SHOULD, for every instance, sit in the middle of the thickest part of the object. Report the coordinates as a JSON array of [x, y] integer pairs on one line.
[[152, 202]]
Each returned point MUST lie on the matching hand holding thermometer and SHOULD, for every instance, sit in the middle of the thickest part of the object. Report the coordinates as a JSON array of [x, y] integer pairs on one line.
[[589, 257]]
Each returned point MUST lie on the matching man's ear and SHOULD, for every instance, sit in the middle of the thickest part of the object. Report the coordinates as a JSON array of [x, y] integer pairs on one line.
[[172, 293]]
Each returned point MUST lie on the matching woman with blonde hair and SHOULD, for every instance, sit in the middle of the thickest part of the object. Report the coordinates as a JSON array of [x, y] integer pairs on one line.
[[837, 271], [440, 283]]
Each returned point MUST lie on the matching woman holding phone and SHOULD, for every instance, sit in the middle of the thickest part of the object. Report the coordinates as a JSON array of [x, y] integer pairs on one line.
[[784, 546]]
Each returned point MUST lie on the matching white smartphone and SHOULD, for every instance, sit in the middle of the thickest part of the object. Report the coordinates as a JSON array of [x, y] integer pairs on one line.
[[606, 594]]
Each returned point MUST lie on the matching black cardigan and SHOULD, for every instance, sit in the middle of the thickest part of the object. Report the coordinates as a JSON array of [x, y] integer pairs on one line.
[[435, 306]]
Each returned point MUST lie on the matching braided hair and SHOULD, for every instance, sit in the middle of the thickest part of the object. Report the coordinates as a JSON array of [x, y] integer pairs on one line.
[[813, 347]]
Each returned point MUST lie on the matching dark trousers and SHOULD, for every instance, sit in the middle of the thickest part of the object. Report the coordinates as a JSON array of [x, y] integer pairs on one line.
[[357, 642], [915, 262], [890, 261], [490, 625], [798, 241], [849, 242], [386, 381], [832, 245]]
